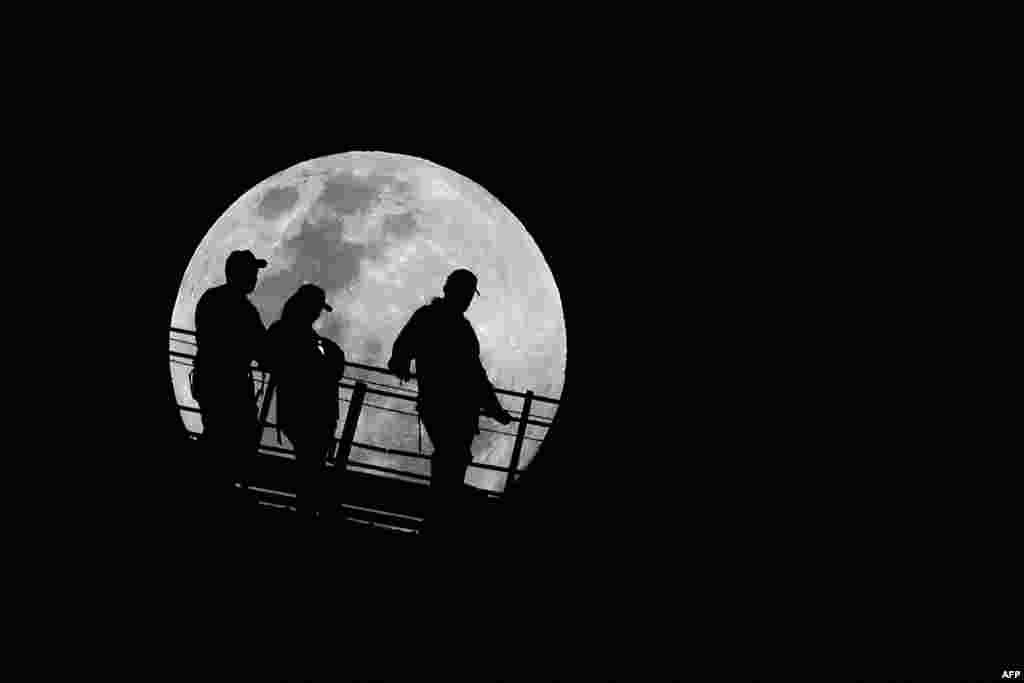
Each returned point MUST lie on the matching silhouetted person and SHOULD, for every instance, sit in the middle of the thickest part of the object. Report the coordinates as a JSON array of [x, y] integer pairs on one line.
[[453, 388], [229, 335], [306, 369]]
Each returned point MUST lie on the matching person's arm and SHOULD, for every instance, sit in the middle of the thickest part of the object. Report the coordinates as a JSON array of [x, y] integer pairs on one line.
[[491, 406], [259, 350], [200, 323], [335, 357], [208, 329], [404, 348]]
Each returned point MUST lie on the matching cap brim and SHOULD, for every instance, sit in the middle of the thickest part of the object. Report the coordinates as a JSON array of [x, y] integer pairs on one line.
[[327, 308], [260, 263]]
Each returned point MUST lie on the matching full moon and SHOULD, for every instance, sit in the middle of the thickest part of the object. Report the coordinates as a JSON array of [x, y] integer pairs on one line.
[[380, 232]]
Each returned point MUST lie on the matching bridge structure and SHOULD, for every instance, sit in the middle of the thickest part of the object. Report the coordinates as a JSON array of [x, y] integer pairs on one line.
[[385, 486]]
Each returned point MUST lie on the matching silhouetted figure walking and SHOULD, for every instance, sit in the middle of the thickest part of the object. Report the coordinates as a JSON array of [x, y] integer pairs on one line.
[[306, 369], [229, 335], [453, 388]]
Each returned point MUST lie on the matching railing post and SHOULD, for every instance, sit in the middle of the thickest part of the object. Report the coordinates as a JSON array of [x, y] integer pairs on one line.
[[348, 433], [268, 394], [265, 397], [520, 433]]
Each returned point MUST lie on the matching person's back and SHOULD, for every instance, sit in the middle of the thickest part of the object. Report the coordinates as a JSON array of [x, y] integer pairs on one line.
[[306, 370], [447, 355], [229, 334], [453, 385]]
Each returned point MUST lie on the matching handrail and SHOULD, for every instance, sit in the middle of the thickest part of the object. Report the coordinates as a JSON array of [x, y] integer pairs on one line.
[[277, 451], [359, 389], [374, 368], [410, 397]]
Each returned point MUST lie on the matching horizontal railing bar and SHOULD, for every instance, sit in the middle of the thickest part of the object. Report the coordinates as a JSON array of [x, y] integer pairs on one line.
[[355, 464], [385, 371], [486, 466], [272, 425], [386, 409], [363, 508], [277, 449], [376, 449], [368, 446], [381, 392], [409, 454], [271, 504], [351, 463], [525, 438], [411, 392], [383, 516], [389, 451], [378, 392], [261, 489]]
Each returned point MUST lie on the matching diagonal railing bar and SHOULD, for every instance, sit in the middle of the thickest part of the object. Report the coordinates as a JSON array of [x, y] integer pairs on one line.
[[381, 370], [359, 389]]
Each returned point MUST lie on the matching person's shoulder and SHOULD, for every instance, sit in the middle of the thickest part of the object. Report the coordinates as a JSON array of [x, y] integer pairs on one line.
[[211, 293], [211, 299], [219, 294], [423, 312], [251, 307], [276, 332], [334, 346], [280, 329]]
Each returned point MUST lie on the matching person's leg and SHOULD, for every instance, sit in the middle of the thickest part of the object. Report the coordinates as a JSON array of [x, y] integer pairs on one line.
[[448, 464], [231, 440], [323, 487], [240, 450], [334, 485], [438, 473], [218, 449], [310, 453], [301, 450], [250, 436], [463, 456]]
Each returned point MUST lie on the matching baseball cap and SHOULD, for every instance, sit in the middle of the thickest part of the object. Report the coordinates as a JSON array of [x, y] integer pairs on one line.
[[243, 258], [313, 292], [462, 279]]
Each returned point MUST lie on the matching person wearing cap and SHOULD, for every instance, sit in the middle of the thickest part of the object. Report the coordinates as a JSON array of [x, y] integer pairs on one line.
[[229, 336], [453, 385], [306, 369]]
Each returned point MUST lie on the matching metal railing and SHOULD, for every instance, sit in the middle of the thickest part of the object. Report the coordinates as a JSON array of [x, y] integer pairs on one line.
[[354, 392]]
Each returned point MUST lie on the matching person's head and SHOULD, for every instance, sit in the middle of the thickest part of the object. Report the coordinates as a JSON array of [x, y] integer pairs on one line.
[[242, 268], [305, 305], [459, 289]]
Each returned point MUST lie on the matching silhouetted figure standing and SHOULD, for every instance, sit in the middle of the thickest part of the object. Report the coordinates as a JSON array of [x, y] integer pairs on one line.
[[453, 387], [306, 369], [229, 335]]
